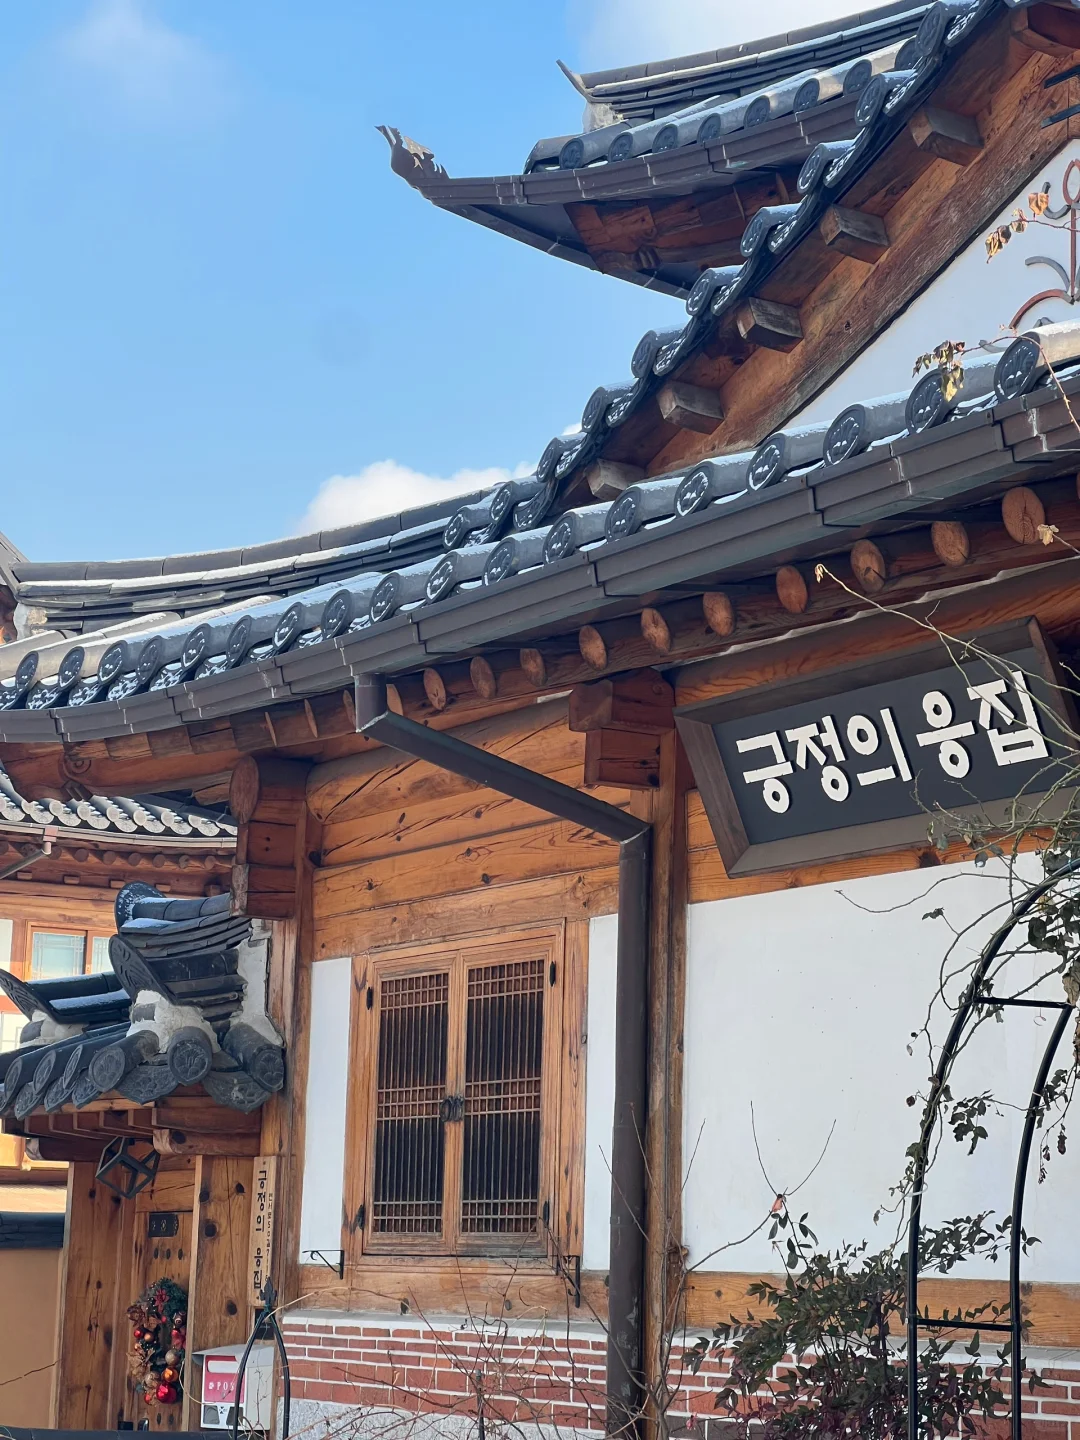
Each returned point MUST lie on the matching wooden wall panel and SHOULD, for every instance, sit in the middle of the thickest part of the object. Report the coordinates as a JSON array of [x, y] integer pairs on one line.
[[450, 820], [219, 1271], [348, 930], [528, 1291], [91, 1281], [379, 780], [711, 1297], [218, 1299], [529, 853]]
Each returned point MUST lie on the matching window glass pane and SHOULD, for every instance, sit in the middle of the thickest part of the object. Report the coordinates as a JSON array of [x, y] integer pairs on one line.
[[56, 956], [99, 954], [10, 1027], [503, 1047], [407, 1195]]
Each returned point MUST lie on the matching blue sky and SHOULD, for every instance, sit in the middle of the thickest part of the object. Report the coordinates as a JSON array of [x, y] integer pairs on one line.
[[215, 297]]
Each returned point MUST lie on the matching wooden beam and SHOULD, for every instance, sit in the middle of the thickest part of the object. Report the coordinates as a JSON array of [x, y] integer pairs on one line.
[[593, 647], [656, 630], [194, 1142], [791, 589], [533, 666], [484, 679], [435, 689], [1053, 1310], [854, 232], [607, 479], [640, 702], [268, 789], [625, 758], [951, 541], [719, 611], [1050, 28], [1022, 513], [690, 407], [765, 323], [945, 134]]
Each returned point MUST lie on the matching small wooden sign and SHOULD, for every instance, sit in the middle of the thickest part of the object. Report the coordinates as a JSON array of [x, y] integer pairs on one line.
[[262, 1224]]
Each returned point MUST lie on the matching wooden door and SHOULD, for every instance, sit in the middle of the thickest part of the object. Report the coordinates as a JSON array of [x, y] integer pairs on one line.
[[167, 1207]]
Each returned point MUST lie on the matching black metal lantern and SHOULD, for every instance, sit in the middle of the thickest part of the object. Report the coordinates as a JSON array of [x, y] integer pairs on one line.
[[125, 1171]]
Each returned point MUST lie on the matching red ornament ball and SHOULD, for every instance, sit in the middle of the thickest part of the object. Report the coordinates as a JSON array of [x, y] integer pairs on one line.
[[166, 1393]]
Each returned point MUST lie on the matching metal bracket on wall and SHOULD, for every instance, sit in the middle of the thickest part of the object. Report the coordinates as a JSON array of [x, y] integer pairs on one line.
[[323, 1257], [569, 1267]]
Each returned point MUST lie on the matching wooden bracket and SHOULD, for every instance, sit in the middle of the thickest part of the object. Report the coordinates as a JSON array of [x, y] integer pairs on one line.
[[629, 759], [690, 407], [949, 136], [607, 479], [763, 322], [1050, 28], [267, 796], [641, 701], [851, 232]]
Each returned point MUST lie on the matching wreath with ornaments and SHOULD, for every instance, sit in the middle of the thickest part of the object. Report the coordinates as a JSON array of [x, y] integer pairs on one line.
[[159, 1336]]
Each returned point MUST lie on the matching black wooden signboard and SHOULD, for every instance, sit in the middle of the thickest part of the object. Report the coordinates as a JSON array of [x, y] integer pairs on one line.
[[858, 760]]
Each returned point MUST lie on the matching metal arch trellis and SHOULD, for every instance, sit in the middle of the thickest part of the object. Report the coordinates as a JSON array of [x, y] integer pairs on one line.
[[975, 997]]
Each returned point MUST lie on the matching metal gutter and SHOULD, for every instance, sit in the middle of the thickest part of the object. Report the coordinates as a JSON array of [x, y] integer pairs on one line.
[[626, 1258], [49, 836]]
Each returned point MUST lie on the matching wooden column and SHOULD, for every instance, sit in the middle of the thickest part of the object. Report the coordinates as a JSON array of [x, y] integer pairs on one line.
[[94, 1268], [218, 1298], [289, 1006], [667, 991]]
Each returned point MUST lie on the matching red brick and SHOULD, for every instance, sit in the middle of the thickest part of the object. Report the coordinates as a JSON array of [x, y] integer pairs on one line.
[[315, 1391], [1059, 1407], [451, 1380], [701, 1401]]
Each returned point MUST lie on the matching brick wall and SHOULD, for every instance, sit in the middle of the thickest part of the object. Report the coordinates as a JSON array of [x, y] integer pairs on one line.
[[532, 1376]]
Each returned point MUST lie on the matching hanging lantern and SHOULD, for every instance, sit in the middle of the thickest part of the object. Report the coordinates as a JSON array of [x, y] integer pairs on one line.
[[127, 1165]]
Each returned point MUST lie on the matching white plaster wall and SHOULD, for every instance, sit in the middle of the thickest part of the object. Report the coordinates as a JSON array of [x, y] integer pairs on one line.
[[599, 1090], [5, 944], [327, 1088], [800, 1004], [971, 300]]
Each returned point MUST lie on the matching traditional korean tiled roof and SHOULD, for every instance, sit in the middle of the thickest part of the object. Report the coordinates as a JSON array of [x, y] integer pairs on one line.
[[513, 564], [140, 818], [651, 90], [182, 1005], [698, 126], [532, 555]]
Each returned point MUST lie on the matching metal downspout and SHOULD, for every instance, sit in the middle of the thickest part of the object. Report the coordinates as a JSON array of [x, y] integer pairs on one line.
[[626, 1268]]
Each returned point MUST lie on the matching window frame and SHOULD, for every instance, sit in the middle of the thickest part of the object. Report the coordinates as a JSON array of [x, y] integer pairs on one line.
[[87, 933], [561, 1126]]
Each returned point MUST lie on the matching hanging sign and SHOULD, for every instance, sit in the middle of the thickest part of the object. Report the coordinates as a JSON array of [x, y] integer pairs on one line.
[[849, 762], [262, 1224]]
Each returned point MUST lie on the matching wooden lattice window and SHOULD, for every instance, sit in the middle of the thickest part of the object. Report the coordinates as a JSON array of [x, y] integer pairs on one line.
[[456, 1105]]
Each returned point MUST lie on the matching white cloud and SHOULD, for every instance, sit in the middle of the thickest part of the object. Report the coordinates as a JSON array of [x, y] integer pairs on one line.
[[141, 65], [618, 32], [385, 488]]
